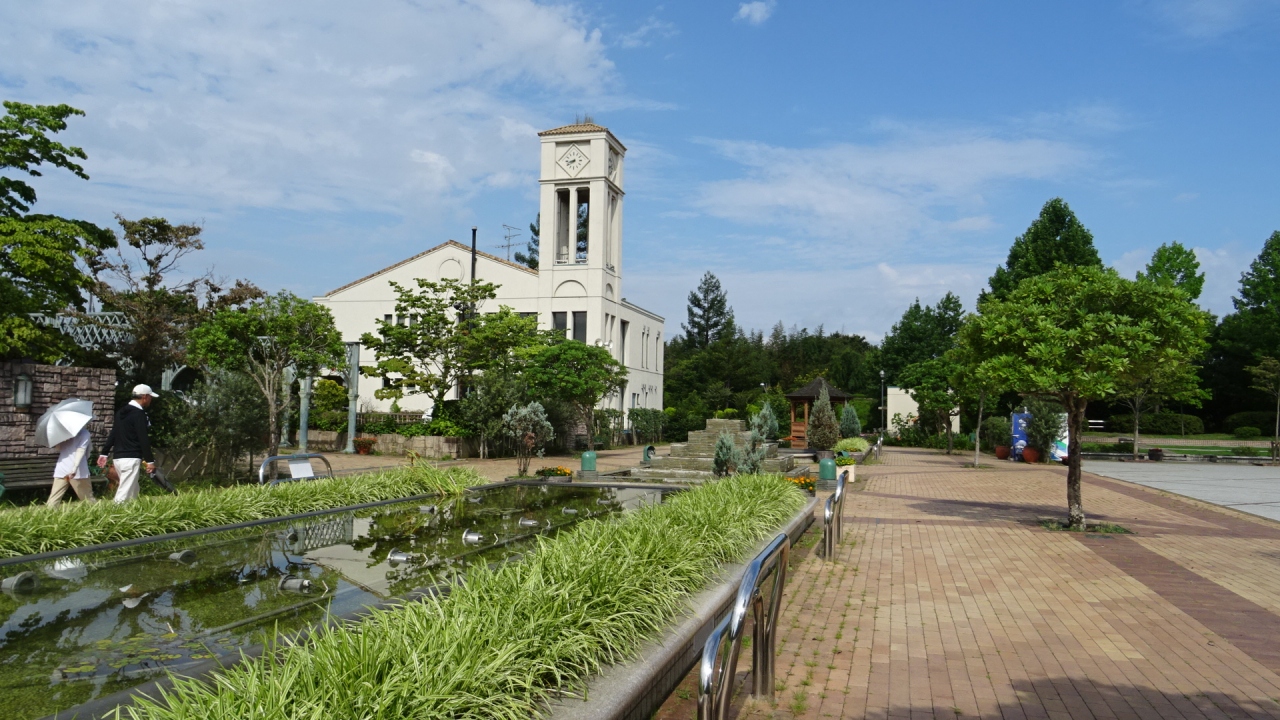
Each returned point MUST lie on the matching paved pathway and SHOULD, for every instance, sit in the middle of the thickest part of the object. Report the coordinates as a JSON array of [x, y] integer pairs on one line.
[[948, 600], [1251, 488]]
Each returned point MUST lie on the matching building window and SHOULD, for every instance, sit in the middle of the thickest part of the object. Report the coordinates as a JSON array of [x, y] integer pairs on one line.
[[22, 391], [622, 343], [386, 319], [528, 314], [559, 321], [580, 326]]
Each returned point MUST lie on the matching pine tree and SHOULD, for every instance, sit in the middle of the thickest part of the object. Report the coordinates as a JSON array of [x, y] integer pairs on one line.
[[768, 422], [850, 426], [722, 462], [1178, 265], [824, 431], [1056, 236], [709, 313]]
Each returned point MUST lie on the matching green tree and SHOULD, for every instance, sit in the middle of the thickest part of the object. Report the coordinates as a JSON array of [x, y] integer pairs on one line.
[[576, 374], [1056, 236], [43, 258], [923, 333], [530, 258], [1266, 377], [710, 317], [160, 313], [529, 430], [328, 396], [263, 340], [974, 384], [1175, 264], [427, 348], [1072, 334], [768, 421], [929, 383], [824, 431], [850, 425]]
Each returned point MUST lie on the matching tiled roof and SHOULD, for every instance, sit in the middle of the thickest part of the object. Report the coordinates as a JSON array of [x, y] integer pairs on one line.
[[813, 389], [455, 243], [580, 128]]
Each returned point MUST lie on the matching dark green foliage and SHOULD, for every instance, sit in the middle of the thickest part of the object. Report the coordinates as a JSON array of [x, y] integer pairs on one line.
[[1245, 432], [710, 317], [1056, 236], [328, 396], [923, 333], [530, 257], [850, 425], [1161, 423], [1246, 335], [1048, 421], [1177, 265], [647, 423], [996, 430], [215, 427], [1256, 418], [824, 430]]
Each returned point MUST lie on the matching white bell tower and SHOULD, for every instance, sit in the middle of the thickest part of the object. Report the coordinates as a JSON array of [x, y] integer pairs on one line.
[[580, 258]]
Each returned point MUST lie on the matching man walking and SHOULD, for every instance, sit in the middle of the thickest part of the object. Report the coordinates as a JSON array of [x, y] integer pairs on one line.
[[129, 438], [72, 470]]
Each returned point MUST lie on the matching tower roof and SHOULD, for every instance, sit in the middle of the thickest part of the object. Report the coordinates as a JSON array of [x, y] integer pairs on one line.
[[586, 127]]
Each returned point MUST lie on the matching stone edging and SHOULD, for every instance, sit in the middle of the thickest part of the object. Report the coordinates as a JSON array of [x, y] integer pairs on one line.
[[635, 690]]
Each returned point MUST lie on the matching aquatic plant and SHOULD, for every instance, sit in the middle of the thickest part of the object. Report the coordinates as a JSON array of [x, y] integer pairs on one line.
[[28, 530], [511, 637]]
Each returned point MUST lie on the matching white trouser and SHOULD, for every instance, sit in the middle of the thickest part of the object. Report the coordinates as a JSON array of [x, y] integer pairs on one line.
[[128, 469]]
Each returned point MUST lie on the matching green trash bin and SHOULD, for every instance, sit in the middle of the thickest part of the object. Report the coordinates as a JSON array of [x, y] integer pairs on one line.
[[588, 466], [826, 475]]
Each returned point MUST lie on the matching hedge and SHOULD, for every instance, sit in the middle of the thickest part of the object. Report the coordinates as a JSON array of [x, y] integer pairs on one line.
[[1264, 420], [1164, 423]]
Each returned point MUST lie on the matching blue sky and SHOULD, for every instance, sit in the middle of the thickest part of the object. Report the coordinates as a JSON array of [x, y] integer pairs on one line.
[[829, 161]]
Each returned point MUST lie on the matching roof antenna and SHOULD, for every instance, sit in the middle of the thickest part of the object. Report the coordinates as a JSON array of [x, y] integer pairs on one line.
[[511, 232]]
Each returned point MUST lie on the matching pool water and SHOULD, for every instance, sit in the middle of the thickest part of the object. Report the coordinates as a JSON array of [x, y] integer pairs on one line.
[[98, 623]]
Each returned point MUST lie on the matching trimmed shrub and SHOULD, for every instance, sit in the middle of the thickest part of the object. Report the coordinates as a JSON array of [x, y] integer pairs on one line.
[[725, 456], [768, 422], [1162, 423], [1255, 418], [996, 430], [1245, 432], [850, 425], [852, 445], [823, 431]]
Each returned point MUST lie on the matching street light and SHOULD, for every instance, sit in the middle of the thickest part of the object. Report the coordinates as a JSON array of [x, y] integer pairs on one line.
[[884, 425], [353, 393]]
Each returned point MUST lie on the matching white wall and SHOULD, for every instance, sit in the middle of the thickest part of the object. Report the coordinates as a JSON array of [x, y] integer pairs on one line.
[[900, 402]]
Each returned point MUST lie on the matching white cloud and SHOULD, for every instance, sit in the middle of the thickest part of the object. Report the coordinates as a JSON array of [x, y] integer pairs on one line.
[[1209, 19], [214, 107], [922, 186], [755, 12], [652, 29]]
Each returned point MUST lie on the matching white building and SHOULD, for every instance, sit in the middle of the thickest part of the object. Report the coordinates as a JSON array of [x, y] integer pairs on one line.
[[577, 292], [899, 402]]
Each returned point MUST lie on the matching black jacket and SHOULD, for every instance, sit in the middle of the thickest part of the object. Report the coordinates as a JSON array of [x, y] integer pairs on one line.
[[129, 435]]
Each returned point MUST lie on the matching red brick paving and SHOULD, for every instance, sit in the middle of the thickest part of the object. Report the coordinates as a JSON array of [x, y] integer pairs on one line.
[[947, 599]]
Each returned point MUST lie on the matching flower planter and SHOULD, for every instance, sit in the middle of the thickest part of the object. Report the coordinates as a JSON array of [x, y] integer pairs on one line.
[[824, 454], [1002, 452], [1155, 454], [1030, 455]]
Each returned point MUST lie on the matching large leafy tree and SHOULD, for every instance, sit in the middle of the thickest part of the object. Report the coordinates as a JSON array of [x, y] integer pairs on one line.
[[1073, 334], [263, 340], [930, 385], [1056, 236], [160, 311], [923, 333], [710, 317], [1249, 333], [1266, 377], [1177, 265], [576, 374], [43, 258], [428, 347], [974, 385]]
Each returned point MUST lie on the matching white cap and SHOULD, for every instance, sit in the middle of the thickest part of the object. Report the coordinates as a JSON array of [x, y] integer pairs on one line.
[[140, 390]]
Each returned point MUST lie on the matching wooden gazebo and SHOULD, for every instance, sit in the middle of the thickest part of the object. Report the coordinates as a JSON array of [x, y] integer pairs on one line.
[[802, 400]]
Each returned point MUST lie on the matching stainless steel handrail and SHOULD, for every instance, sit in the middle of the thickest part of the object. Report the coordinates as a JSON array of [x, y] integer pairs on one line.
[[715, 683], [833, 517], [262, 469]]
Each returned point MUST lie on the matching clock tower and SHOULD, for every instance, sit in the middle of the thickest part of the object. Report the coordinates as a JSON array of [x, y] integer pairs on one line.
[[580, 259]]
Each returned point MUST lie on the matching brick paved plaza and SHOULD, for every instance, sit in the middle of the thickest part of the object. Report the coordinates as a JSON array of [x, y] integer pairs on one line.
[[947, 599]]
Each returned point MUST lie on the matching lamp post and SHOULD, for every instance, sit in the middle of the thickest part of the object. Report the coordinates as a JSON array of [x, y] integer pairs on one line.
[[884, 410], [304, 411], [353, 393]]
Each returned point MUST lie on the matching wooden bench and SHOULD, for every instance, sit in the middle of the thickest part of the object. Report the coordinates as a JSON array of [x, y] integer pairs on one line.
[[27, 472]]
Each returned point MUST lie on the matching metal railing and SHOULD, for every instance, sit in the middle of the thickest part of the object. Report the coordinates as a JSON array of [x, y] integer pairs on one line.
[[299, 467], [833, 517], [720, 653]]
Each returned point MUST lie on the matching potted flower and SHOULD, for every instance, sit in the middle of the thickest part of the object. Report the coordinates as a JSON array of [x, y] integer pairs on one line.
[[1002, 452], [1155, 453], [1030, 454], [364, 445]]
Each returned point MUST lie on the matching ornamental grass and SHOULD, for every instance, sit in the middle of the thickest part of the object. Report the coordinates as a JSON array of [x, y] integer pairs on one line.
[[510, 638], [36, 529]]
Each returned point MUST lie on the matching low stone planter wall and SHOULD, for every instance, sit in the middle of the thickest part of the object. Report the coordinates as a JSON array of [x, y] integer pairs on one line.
[[432, 447]]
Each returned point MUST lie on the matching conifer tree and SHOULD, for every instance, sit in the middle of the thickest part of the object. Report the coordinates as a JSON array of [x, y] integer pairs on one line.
[[530, 259], [710, 316], [1056, 236], [850, 426], [824, 431]]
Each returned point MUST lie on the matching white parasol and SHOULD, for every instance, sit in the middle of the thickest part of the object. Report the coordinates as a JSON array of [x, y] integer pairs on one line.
[[63, 421]]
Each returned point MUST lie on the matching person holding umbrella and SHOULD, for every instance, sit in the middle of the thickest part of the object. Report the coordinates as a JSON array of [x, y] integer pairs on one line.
[[66, 427], [130, 439]]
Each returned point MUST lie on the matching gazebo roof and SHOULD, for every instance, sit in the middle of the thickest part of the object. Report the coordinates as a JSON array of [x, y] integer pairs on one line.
[[811, 391]]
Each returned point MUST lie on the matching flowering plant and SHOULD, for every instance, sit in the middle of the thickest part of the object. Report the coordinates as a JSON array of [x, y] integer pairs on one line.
[[557, 471], [804, 482]]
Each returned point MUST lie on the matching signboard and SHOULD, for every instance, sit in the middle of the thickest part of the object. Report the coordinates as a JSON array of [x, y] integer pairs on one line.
[[1019, 422]]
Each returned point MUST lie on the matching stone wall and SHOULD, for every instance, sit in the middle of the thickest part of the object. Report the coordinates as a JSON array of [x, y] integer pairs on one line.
[[431, 447], [51, 384]]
